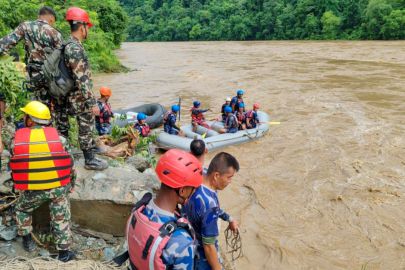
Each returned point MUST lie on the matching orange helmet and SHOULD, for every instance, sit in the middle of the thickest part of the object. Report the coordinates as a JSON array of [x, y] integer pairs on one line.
[[256, 105], [177, 168], [105, 91], [78, 14]]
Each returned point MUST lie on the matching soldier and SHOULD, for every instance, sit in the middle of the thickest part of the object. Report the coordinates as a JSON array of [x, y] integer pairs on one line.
[[42, 168], [37, 35], [81, 99]]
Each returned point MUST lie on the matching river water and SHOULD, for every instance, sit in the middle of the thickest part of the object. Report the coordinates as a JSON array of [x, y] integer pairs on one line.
[[323, 190]]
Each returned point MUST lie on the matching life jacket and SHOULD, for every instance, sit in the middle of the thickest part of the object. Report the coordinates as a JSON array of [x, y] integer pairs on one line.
[[39, 161], [105, 112], [145, 130], [166, 117], [236, 124], [196, 116], [250, 114], [238, 101], [223, 109], [240, 116], [147, 239]]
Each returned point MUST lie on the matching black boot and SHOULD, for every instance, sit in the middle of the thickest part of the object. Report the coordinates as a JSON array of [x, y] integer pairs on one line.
[[29, 243], [92, 163], [97, 149], [66, 255]]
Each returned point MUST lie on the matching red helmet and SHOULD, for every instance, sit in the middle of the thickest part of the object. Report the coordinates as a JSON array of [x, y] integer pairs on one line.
[[177, 168], [105, 91], [78, 14], [256, 105]]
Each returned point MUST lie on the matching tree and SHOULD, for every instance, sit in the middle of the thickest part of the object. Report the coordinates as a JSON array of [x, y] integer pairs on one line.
[[394, 26], [330, 24]]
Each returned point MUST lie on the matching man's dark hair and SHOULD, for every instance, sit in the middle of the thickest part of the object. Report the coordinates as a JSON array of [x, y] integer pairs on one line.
[[75, 26], [222, 162], [197, 148], [45, 10], [16, 56]]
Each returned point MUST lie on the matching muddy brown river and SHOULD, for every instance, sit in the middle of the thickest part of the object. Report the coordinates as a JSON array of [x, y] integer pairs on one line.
[[323, 190]]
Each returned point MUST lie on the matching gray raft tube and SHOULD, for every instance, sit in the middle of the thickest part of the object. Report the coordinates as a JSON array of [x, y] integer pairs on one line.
[[154, 112], [213, 139]]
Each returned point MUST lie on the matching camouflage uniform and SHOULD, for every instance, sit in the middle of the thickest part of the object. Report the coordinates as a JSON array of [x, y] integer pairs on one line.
[[37, 36], [81, 99], [59, 206]]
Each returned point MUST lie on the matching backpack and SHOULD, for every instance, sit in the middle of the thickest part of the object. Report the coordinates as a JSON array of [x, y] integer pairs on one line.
[[56, 73]]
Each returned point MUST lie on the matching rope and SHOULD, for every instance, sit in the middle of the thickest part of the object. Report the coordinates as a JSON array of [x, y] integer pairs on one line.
[[233, 247], [47, 263]]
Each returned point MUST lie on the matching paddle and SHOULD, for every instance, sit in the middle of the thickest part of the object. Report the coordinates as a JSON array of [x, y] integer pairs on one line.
[[205, 134], [270, 123], [179, 110]]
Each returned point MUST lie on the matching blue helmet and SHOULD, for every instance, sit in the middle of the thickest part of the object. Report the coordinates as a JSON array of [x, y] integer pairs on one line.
[[242, 105], [228, 109], [197, 103], [141, 116], [175, 108], [240, 92]]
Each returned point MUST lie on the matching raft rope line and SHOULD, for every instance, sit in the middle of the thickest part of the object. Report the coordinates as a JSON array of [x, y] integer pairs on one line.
[[233, 247]]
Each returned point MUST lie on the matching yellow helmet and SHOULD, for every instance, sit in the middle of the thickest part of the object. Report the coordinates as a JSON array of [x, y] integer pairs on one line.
[[37, 111]]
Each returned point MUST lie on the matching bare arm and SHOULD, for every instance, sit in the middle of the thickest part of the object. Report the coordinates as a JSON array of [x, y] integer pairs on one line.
[[212, 256]]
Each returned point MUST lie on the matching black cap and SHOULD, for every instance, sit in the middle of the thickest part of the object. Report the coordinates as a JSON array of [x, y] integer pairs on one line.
[[45, 10]]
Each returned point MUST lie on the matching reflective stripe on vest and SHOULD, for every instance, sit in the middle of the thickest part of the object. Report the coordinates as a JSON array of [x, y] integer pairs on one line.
[[39, 161], [195, 115]]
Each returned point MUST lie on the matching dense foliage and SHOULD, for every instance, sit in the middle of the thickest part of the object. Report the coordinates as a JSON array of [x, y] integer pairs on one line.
[[109, 18], [181, 20]]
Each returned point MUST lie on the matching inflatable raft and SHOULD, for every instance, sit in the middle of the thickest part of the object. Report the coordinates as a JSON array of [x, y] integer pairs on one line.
[[154, 113], [213, 139]]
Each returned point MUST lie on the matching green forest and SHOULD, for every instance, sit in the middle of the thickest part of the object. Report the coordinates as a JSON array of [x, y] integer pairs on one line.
[[109, 18], [199, 20]]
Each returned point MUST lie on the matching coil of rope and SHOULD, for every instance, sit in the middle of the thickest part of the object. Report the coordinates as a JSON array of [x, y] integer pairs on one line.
[[233, 247]]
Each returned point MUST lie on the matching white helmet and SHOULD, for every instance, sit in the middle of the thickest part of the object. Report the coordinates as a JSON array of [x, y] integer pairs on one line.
[[228, 99]]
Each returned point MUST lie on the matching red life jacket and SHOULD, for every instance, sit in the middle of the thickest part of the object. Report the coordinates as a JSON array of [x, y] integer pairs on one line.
[[236, 121], [39, 161], [250, 115], [105, 113], [145, 130], [196, 116], [147, 239], [241, 117]]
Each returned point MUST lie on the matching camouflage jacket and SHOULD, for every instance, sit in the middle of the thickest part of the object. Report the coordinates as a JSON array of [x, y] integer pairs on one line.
[[78, 64], [37, 35], [66, 147]]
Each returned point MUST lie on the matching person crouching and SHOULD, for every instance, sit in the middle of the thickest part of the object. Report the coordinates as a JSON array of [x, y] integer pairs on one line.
[[103, 124], [141, 126]]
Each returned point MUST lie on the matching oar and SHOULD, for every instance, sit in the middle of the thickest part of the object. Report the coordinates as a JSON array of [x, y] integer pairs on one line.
[[179, 110], [270, 123], [205, 134]]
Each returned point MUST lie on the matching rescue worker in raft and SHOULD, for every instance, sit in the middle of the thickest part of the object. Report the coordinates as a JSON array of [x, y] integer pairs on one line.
[[226, 104], [203, 210], [169, 121], [241, 116], [197, 116], [236, 101], [231, 122], [157, 236], [103, 124], [141, 126], [252, 120], [42, 169]]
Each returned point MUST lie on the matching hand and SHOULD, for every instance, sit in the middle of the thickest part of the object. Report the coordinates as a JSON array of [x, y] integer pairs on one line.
[[95, 110], [72, 190], [234, 226], [249, 125]]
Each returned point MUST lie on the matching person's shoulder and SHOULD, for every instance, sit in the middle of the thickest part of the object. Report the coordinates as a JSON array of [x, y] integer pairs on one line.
[[179, 241]]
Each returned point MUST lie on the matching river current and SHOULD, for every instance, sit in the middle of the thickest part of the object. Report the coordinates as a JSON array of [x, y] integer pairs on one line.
[[323, 190]]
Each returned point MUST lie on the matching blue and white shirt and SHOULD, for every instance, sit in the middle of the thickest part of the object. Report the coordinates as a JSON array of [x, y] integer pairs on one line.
[[179, 252]]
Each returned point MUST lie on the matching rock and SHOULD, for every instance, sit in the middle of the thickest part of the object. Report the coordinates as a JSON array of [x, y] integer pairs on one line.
[[108, 253], [149, 171], [90, 241], [99, 176], [8, 233], [44, 253], [140, 163]]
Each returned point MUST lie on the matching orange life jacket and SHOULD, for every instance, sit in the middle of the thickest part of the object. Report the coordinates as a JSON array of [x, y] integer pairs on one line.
[[39, 161]]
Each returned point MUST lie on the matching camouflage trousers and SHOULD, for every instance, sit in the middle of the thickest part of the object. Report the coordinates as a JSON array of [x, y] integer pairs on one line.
[[59, 206]]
